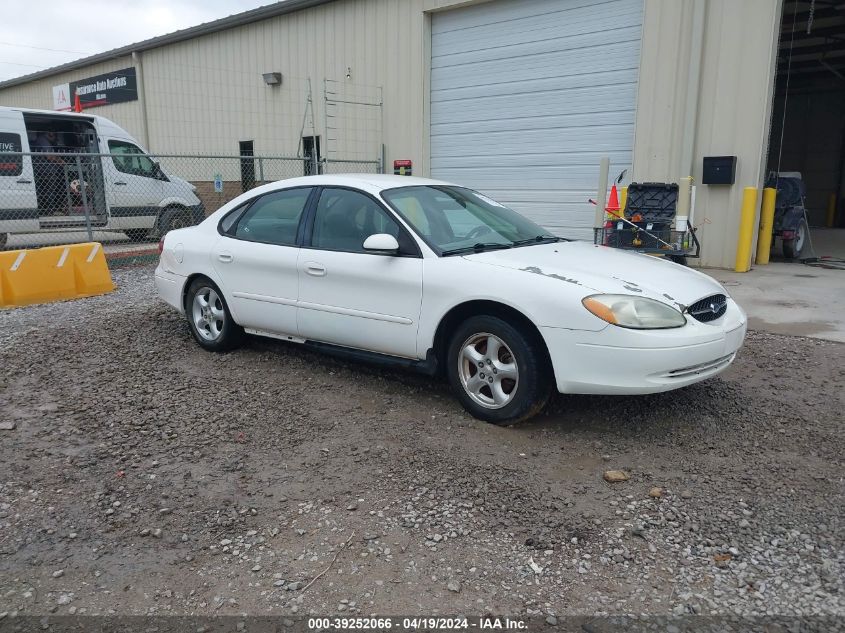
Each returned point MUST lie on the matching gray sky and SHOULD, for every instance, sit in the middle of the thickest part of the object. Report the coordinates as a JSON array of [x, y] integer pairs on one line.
[[93, 26]]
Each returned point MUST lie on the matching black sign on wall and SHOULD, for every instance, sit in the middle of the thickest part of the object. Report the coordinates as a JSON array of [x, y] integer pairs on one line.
[[114, 87]]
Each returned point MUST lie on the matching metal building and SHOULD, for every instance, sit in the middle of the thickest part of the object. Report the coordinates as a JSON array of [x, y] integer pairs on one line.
[[517, 98]]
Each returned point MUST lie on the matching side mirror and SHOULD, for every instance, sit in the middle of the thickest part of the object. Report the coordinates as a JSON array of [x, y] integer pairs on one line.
[[381, 243]]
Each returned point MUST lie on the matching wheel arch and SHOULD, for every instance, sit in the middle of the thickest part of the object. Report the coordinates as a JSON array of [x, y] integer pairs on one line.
[[478, 307], [191, 279]]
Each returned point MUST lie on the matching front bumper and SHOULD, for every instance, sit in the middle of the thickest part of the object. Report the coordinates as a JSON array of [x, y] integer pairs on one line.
[[622, 361]]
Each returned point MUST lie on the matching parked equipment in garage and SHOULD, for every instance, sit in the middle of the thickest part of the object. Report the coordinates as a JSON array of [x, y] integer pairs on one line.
[[790, 214], [645, 224]]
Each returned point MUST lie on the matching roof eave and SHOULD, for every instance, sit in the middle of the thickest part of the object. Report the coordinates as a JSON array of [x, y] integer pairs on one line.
[[229, 22]]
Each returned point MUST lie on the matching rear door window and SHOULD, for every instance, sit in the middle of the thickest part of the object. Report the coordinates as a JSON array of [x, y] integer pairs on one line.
[[273, 218]]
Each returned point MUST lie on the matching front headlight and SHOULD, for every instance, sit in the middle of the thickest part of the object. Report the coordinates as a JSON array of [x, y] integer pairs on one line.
[[633, 312]]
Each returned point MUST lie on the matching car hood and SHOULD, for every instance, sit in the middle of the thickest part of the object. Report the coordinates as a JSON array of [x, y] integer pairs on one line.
[[606, 270]]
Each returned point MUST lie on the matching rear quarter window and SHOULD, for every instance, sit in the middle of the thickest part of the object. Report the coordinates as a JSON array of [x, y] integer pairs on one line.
[[11, 160]]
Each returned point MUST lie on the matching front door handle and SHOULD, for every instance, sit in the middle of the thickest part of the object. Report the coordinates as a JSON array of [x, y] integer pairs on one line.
[[225, 257], [120, 182], [314, 269], [24, 181]]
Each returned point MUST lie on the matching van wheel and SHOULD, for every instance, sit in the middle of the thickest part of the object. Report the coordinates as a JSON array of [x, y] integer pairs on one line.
[[500, 374], [173, 219], [4, 237], [136, 235]]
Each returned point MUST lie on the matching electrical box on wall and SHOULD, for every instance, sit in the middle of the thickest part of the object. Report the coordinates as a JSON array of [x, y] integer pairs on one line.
[[403, 167], [719, 170]]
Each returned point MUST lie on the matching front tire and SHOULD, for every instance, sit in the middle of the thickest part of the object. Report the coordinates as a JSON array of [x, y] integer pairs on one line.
[[209, 317], [500, 373]]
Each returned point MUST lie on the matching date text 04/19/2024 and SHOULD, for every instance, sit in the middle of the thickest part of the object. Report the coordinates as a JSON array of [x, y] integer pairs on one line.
[[417, 623]]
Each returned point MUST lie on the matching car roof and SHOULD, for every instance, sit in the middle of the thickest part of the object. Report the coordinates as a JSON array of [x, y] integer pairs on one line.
[[377, 182]]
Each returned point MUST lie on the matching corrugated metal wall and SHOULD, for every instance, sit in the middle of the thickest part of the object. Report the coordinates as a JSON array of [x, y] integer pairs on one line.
[[731, 117]]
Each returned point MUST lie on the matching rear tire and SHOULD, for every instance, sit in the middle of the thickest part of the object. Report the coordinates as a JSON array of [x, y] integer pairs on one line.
[[175, 218], [793, 248], [137, 235], [209, 317], [500, 373], [4, 238]]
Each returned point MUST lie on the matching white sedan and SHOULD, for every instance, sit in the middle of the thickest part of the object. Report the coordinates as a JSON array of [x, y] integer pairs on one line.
[[433, 276]]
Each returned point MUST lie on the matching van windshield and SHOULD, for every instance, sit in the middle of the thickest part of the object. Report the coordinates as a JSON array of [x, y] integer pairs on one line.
[[455, 220]]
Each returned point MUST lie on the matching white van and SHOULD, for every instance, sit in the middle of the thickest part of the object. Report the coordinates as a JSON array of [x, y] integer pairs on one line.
[[43, 153]]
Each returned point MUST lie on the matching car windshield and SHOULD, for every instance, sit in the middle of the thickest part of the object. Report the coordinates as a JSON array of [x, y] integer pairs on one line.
[[454, 220]]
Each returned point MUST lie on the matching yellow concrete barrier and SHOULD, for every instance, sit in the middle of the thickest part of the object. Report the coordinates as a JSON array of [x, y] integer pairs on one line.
[[767, 222], [53, 273], [746, 230]]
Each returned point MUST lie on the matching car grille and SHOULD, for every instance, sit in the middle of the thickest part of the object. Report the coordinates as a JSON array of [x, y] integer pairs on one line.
[[709, 308], [701, 368]]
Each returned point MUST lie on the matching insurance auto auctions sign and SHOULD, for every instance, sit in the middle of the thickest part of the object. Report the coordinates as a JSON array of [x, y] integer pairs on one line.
[[114, 87]]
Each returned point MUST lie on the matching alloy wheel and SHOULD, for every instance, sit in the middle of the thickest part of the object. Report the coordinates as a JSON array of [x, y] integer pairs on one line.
[[208, 313], [488, 370]]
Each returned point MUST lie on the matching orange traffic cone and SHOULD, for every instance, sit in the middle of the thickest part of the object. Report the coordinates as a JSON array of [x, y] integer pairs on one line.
[[77, 105], [613, 202]]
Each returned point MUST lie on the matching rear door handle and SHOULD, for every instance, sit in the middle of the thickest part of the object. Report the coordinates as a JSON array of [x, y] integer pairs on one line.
[[314, 269], [24, 181], [225, 257]]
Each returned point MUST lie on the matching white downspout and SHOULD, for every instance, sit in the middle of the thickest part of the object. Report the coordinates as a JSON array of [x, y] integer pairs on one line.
[[142, 99]]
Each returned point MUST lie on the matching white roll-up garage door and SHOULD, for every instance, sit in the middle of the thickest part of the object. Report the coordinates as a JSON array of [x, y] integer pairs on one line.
[[528, 95]]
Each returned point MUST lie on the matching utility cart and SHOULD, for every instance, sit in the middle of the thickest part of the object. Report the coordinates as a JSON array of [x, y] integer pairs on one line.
[[790, 223], [646, 223]]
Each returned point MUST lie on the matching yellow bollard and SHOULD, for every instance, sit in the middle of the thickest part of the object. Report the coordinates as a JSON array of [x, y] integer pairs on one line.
[[746, 230], [831, 210], [767, 221], [623, 199]]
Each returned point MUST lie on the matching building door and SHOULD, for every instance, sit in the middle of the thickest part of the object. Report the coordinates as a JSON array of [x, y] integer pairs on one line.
[[310, 147], [247, 165], [528, 95]]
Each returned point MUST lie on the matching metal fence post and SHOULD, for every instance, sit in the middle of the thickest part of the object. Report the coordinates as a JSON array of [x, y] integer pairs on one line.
[[261, 170], [84, 189]]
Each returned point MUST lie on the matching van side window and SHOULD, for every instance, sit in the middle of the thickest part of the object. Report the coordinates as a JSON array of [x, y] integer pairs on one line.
[[129, 159], [10, 164]]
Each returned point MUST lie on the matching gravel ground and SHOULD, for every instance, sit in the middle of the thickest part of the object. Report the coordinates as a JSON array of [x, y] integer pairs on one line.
[[146, 476]]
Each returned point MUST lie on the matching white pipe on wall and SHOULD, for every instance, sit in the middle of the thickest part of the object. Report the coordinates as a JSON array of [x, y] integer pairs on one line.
[[142, 100]]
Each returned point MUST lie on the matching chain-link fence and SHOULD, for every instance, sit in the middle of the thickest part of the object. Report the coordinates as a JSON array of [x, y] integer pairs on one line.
[[61, 197]]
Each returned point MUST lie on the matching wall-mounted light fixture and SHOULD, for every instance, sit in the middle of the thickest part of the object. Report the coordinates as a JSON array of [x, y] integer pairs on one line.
[[272, 79], [349, 72]]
